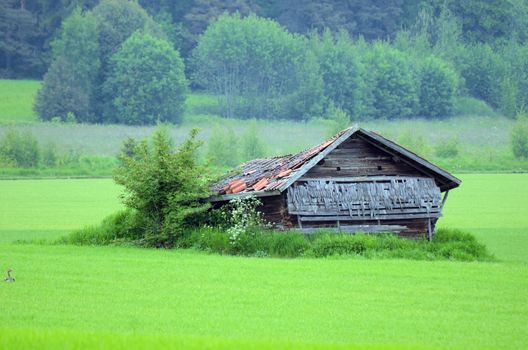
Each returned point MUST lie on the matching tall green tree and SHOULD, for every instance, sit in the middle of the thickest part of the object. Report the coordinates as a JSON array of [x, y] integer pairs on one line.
[[19, 49], [203, 12], [482, 69], [256, 68], [146, 82], [391, 83], [117, 20], [438, 88], [483, 20], [340, 69], [69, 84]]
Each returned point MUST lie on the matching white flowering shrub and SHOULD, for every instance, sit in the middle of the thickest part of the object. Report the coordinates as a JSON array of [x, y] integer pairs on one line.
[[243, 216]]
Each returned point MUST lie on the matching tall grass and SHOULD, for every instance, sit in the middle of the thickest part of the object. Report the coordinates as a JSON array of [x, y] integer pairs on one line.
[[124, 228]]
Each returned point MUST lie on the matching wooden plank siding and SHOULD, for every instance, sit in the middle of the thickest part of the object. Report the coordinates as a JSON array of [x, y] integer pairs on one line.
[[355, 157], [357, 161], [359, 184]]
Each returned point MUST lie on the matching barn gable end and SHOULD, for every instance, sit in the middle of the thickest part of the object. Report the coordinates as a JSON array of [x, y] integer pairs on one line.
[[356, 157]]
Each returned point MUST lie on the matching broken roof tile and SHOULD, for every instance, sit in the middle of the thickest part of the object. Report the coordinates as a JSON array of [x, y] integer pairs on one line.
[[261, 184], [239, 188], [273, 169], [284, 173]]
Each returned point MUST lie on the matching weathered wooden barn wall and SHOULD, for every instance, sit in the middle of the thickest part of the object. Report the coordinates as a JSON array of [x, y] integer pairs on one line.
[[357, 186], [356, 157], [275, 211]]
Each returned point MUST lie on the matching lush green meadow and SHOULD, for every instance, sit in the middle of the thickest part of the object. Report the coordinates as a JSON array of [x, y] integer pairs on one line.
[[481, 134], [16, 100], [116, 297]]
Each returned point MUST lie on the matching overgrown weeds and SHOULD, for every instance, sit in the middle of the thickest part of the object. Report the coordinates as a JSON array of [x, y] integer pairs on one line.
[[447, 244]]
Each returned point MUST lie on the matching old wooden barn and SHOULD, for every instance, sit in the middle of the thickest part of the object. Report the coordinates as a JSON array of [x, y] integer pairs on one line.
[[355, 181]]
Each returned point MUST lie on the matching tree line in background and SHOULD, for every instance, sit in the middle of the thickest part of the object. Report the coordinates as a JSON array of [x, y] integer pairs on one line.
[[29, 26], [119, 62]]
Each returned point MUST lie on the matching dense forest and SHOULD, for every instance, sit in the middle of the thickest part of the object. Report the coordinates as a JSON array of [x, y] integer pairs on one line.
[[266, 59], [28, 26]]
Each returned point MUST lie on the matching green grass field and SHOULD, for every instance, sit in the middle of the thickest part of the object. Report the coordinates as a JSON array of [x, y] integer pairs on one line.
[[116, 297], [16, 100], [482, 134]]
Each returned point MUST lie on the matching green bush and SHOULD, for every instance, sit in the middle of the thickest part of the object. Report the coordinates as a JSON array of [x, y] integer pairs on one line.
[[129, 228], [438, 88], [208, 239], [256, 242], [414, 143], [49, 155], [470, 106], [19, 149], [124, 226], [339, 120], [341, 71], [164, 185], [391, 83], [339, 244], [222, 148], [289, 245], [447, 148], [519, 138], [483, 70], [252, 145], [146, 81]]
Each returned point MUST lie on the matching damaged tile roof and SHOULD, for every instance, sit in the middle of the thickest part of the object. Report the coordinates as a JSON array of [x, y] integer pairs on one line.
[[271, 173], [266, 176]]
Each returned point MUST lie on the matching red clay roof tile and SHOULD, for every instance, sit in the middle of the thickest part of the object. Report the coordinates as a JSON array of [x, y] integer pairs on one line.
[[261, 184]]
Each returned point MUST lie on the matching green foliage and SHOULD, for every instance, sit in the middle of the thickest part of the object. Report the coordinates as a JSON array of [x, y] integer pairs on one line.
[[338, 244], [22, 150], [341, 71], [447, 244], [483, 21], [470, 106], [222, 148], [19, 149], [438, 88], [482, 70], [48, 154], [123, 226], [257, 69], [514, 86], [519, 138], [447, 148], [146, 82], [391, 83], [69, 84], [163, 185], [257, 243], [338, 118], [414, 142], [458, 245], [117, 20], [252, 145]]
